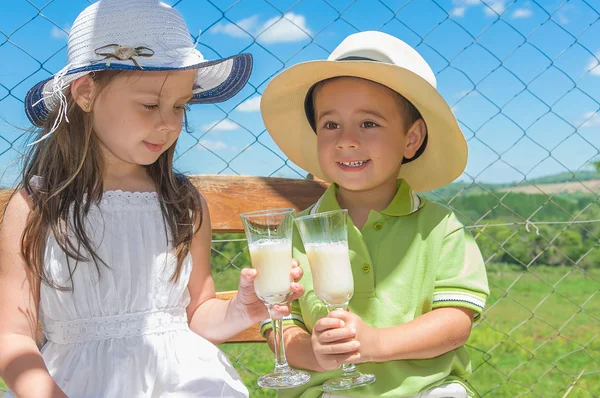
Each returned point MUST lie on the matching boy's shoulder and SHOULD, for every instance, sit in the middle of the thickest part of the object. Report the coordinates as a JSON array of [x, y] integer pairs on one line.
[[433, 209], [434, 215]]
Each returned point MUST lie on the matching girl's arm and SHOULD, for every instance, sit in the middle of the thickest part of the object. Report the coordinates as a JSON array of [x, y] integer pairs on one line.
[[219, 320], [21, 365], [299, 350]]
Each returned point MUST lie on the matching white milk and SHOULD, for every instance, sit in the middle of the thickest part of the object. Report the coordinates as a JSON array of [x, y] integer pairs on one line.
[[273, 261], [331, 272]]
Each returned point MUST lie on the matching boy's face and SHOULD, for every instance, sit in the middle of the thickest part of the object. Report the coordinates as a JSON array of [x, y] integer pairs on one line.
[[361, 133]]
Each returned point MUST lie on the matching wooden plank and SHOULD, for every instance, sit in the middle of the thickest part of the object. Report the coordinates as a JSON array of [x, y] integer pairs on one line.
[[229, 196], [5, 195]]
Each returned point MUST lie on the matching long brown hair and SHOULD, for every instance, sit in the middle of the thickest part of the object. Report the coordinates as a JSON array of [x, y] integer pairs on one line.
[[70, 164]]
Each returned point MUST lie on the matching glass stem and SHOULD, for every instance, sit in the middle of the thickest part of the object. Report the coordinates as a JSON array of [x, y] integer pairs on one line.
[[281, 364], [348, 369]]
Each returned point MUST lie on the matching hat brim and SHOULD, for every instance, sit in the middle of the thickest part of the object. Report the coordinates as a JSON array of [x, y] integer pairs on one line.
[[216, 81], [283, 112]]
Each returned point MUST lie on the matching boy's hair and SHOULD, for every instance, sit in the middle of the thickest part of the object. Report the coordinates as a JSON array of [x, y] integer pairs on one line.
[[70, 165], [410, 114]]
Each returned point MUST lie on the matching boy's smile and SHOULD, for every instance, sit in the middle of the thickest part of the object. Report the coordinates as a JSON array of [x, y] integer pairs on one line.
[[353, 165]]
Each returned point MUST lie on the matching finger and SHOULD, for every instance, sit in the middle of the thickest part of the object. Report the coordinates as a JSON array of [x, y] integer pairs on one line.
[[247, 276], [297, 290], [327, 323], [295, 263], [348, 347], [339, 334], [281, 310], [350, 359], [341, 315], [297, 273], [333, 362]]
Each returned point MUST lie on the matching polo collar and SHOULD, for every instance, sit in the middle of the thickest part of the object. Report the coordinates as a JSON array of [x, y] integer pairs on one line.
[[405, 202]]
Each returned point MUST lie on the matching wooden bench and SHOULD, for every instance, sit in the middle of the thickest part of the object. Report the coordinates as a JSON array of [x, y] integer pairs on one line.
[[229, 196]]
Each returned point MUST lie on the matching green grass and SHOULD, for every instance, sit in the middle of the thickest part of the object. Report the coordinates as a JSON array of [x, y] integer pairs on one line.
[[539, 337], [535, 338]]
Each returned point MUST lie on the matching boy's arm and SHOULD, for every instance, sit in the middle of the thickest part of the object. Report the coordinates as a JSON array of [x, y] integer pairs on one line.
[[428, 336]]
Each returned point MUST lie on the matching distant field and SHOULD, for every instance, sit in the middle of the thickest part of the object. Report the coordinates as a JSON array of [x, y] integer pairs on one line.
[[590, 186], [558, 358]]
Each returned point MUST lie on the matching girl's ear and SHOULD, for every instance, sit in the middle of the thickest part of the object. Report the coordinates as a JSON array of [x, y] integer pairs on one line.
[[83, 90]]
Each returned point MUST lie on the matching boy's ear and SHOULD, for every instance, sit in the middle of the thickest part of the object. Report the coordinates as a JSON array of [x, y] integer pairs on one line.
[[83, 91], [414, 138]]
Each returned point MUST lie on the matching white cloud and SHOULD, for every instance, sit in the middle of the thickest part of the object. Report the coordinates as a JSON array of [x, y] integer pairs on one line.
[[592, 119], [458, 12], [213, 145], [494, 7], [223, 125], [522, 13], [60, 34], [490, 7], [562, 18], [288, 28], [563, 13], [593, 66], [234, 30], [250, 105]]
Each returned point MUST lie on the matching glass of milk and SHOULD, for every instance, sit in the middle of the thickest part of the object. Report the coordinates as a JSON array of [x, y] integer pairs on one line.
[[269, 234], [325, 238]]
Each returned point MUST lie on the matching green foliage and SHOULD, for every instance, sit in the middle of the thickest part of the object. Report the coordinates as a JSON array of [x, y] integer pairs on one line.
[[493, 217]]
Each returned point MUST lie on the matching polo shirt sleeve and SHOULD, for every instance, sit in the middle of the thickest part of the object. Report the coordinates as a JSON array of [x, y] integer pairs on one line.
[[295, 318], [461, 279]]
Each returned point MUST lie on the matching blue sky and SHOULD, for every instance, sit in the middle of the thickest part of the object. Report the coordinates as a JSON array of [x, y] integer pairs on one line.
[[520, 76]]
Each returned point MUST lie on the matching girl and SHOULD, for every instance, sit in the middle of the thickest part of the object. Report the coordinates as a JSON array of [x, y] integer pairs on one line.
[[103, 239]]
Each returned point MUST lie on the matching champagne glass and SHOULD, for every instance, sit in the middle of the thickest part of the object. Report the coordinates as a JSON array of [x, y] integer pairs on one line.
[[325, 238], [269, 234]]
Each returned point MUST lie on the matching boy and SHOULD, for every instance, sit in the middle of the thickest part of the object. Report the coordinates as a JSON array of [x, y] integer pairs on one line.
[[370, 120]]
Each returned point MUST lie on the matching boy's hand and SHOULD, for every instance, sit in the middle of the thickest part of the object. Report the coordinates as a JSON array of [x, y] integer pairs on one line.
[[364, 334], [255, 309], [333, 343]]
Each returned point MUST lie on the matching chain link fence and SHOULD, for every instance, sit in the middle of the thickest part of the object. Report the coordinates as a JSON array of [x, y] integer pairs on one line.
[[524, 81]]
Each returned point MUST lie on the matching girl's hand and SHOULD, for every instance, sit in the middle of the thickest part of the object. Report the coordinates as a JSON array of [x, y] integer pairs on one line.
[[251, 305]]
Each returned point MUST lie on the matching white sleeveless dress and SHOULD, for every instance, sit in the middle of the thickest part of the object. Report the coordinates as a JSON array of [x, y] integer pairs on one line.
[[125, 334]]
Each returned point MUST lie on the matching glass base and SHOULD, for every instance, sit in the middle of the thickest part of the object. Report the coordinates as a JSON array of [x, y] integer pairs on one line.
[[348, 381], [286, 379]]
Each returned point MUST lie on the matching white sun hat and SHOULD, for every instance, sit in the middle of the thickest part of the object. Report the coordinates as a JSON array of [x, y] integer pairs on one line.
[[135, 35], [384, 59]]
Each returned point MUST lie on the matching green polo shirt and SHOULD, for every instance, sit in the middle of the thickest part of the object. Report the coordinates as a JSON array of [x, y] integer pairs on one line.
[[407, 260]]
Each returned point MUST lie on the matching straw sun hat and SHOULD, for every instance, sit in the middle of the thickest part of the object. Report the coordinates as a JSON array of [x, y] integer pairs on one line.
[[380, 58], [135, 35]]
